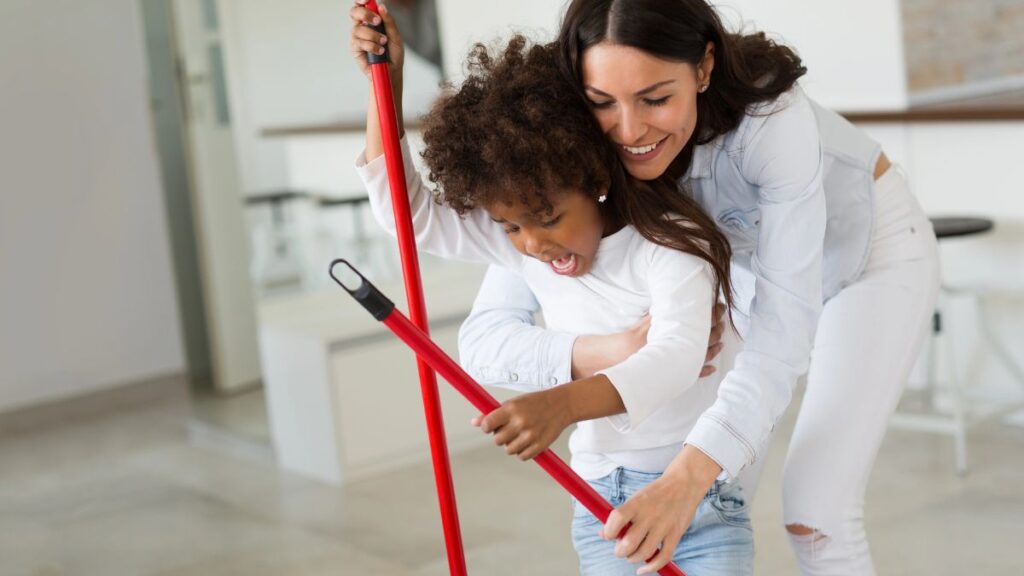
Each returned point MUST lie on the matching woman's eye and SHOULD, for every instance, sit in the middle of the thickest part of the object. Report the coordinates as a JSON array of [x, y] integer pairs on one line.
[[551, 222], [656, 101], [511, 229], [599, 105]]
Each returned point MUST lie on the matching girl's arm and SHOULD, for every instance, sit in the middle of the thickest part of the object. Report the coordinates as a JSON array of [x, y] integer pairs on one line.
[[365, 39], [438, 229], [682, 300]]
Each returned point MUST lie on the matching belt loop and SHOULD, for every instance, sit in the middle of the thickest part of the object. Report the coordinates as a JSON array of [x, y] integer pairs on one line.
[[617, 485]]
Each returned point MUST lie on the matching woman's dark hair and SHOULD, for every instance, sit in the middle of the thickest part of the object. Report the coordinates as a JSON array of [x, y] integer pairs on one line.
[[516, 130], [749, 68]]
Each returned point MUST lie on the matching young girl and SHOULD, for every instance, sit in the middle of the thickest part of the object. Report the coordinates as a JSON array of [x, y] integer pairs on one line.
[[528, 182]]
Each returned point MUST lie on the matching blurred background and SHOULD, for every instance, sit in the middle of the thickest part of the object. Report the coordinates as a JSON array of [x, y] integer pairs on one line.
[[182, 391]]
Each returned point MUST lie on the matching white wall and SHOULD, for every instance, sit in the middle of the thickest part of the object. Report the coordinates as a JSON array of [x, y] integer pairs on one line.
[[289, 64], [853, 51], [466, 22], [854, 54], [86, 293]]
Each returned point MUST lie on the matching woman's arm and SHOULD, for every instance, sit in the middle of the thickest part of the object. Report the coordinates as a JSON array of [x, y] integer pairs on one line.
[[782, 157], [500, 345]]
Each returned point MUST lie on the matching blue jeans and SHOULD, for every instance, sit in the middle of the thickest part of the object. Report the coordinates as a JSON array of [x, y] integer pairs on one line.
[[719, 541]]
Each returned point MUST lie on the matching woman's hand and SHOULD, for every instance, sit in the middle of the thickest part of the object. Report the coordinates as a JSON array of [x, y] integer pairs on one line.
[[366, 39], [662, 511], [526, 425]]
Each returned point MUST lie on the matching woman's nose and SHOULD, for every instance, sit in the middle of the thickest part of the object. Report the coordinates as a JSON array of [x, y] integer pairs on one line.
[[631, 127]]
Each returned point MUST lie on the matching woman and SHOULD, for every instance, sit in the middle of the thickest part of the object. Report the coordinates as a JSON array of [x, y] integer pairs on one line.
[[840, 257]]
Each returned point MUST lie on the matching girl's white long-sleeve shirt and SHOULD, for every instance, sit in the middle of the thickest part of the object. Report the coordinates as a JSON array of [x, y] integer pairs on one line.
[[659, 385]]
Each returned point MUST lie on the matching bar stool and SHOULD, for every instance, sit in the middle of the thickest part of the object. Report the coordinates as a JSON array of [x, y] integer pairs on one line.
[[954, 421]]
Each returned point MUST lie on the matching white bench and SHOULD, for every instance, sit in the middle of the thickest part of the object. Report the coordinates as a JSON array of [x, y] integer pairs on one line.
[[343, 393]]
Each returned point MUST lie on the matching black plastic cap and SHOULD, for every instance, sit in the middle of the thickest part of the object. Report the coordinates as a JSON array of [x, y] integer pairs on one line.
[[375, 302], [379, 58]]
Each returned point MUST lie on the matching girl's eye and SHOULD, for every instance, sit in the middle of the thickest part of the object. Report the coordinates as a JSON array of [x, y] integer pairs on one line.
[[552, 222], [511, 229], [599, 105], [657, 101]]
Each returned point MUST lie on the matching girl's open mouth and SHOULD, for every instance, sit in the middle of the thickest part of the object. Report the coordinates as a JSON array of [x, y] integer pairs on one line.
[[565, 265]]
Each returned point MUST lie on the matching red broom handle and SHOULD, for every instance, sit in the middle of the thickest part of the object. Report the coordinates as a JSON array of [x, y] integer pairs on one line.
[[386, 112], [384, 310], [426, 349]]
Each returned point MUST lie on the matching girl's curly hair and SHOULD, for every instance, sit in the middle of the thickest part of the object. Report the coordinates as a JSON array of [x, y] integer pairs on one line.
[[517, 130], [514, 130]]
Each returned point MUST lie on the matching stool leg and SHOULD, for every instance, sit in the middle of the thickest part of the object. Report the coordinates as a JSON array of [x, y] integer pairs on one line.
[[957, 405]]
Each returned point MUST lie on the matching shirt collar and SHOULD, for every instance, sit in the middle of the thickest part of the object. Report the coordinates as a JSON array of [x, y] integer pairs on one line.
[[700, 164]]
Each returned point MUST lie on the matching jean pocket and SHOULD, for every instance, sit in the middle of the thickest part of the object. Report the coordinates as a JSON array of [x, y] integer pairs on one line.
[[730, 506]]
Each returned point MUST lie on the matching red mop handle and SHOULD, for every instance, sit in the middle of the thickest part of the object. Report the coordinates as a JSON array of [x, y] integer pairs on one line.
[[384, 310], [386, 112]]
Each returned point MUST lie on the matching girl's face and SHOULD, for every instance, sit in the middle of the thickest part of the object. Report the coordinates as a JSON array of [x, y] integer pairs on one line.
[[645, 105], [565, 238]]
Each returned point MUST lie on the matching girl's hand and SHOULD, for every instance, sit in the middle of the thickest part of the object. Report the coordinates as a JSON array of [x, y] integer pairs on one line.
[[526, 425], [593, 353], [715, 340], [662, 511], [366, 39]]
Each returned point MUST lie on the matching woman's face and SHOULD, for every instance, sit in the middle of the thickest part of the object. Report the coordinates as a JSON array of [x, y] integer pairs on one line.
[[645, 105]]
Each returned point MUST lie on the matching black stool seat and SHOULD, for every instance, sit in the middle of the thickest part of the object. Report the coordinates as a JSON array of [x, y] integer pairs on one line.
[[950, 227]]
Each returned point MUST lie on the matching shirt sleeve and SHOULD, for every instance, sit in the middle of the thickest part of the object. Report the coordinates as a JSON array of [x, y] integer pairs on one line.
[[499, 344], [682, 297], [438, 229], [781, 156]]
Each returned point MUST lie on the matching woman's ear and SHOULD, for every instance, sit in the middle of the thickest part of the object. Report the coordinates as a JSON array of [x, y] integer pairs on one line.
[[707, 64]]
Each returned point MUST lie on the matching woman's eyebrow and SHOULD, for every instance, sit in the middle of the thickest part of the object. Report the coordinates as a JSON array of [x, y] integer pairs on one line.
[[642, 92]]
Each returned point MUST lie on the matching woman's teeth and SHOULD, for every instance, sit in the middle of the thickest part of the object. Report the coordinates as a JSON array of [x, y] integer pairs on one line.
[[641, 149]]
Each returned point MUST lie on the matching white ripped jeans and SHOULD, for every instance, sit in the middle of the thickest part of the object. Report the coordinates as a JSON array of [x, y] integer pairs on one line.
[[868, 338]]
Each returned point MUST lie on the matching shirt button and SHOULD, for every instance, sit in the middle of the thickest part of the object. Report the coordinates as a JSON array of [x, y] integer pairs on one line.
[[514, 377], [553, 381]]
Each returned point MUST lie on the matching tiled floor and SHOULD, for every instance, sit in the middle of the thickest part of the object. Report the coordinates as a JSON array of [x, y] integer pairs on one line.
[[96, 489]]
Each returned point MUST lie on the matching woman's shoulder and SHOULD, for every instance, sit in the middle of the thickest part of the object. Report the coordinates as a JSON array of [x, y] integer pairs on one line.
[[790, 111]]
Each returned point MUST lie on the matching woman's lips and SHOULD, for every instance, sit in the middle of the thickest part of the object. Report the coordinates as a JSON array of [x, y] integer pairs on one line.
[[642, 153]]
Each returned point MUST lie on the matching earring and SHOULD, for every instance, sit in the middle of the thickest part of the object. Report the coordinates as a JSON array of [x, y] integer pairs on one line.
[[704, 88], [602, 198]]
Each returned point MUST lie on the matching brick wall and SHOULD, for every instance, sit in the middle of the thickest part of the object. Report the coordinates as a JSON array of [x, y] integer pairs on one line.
[[952, 43]]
